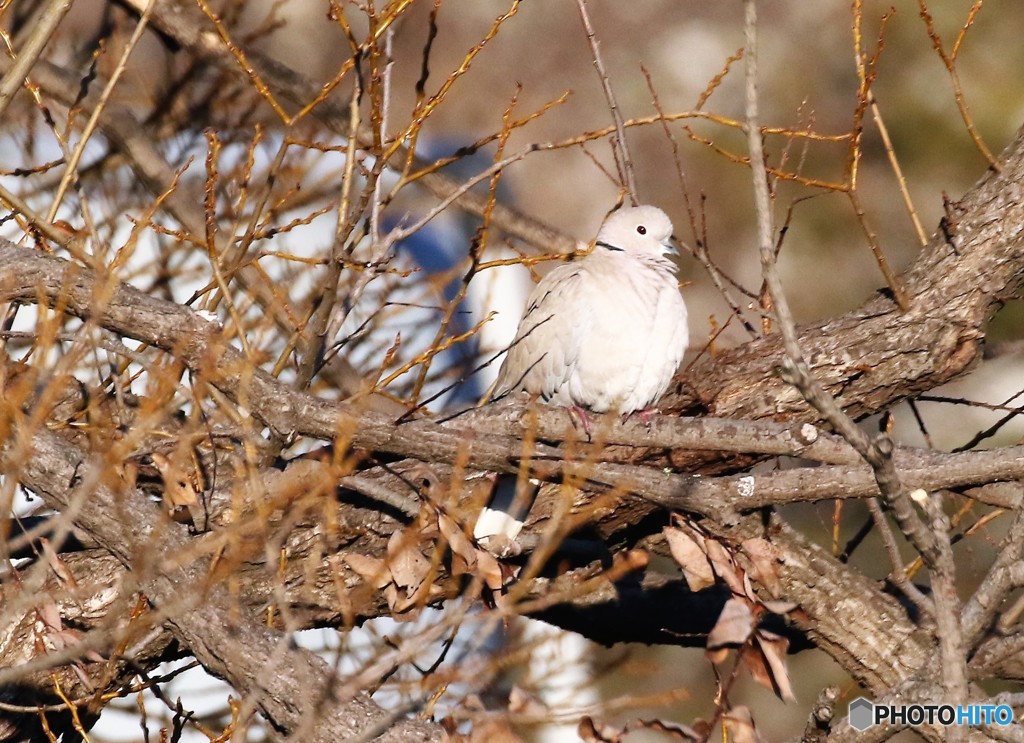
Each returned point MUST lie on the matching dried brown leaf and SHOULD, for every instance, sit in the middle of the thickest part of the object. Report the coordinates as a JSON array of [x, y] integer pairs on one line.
[[58, 566], [774, 648], [49, 613], [392, 596], [458, 542], [490, 570], [468, 558], [725, 567], [179, 485], [757, 665], [61, 637], [717, 655], [691, 557], [764, 561], [735, 624], [373, 571], [780, 607], [740, 726], [703, 728], [408, 566], [489, 730]]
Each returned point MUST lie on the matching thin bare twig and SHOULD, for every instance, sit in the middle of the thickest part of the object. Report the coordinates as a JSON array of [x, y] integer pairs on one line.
[[933, 543], [897, 170], [794, 367], [44, 27], [71, 169], [313, 339], [899, 570], [979, 610], [700, 248], [866, 76], [949, 60], [620, 148]]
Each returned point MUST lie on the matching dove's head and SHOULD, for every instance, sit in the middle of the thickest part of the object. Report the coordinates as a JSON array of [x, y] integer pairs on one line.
[[643, 230]]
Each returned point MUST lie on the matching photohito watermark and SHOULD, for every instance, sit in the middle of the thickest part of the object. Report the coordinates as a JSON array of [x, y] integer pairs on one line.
[[865, 714]]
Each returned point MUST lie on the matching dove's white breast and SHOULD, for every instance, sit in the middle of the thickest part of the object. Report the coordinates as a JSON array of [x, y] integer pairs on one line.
[[604, 333], [634, 337]]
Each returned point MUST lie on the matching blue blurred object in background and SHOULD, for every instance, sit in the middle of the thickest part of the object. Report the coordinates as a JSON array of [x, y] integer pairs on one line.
[[440, 249]]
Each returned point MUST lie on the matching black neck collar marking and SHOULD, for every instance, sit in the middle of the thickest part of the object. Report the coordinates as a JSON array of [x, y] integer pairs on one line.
[[608, 246]]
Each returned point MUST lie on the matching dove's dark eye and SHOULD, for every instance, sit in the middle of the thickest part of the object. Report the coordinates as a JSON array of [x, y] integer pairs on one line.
[[641, 229]]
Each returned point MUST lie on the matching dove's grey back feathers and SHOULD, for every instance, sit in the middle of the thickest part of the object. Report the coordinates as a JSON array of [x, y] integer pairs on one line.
[[608, 331]]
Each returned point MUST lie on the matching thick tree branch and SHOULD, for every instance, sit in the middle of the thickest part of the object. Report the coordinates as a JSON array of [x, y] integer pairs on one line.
[[876, 356], [28, 276]]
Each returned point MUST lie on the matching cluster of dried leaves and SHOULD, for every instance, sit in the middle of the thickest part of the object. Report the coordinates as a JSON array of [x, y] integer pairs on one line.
[[704, 561]]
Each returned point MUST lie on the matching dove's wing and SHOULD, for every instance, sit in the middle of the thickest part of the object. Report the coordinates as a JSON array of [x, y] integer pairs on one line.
[[547, 343]]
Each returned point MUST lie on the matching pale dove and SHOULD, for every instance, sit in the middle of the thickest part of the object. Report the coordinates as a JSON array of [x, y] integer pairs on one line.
[[604, 333]]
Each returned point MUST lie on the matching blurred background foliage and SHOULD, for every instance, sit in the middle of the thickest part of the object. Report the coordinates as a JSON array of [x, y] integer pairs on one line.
[[808, 78]]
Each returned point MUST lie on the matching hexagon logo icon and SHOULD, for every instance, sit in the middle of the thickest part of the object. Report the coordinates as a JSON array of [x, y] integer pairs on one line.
[[861, 714]]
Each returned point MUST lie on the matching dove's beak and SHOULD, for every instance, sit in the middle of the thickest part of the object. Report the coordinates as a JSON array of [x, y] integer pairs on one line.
[[677, 247]]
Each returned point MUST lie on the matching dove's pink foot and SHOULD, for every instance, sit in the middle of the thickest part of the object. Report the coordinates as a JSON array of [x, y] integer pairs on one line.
[[579, 414], [646, 415]]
